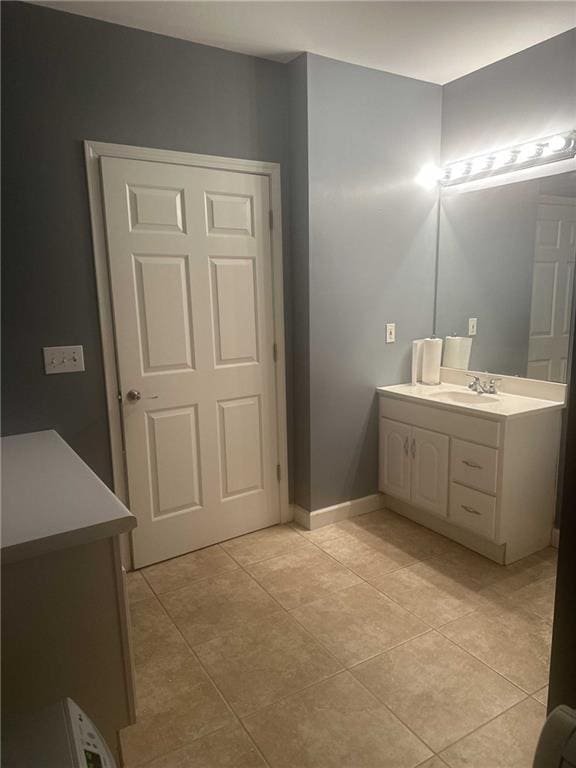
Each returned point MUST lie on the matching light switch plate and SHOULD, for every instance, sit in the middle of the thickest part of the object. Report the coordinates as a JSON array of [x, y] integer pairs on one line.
[[390, 333], [472, 326], [63, 359]]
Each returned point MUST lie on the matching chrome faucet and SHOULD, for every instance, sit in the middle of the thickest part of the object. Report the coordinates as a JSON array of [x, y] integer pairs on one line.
[[482, 387], [492, 386]]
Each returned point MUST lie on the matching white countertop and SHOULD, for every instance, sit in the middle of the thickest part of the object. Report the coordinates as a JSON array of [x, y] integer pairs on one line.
[[52, 500], [496, 407]]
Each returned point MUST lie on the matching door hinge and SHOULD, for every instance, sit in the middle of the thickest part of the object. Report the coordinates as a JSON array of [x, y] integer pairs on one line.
[[278, 472], [119, 396], [275, 352], [271, 219]]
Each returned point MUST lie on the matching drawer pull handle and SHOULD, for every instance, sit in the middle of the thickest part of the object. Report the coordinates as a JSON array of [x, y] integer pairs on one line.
[[406, 443], [472, 464], [413, 448], [471, 510]]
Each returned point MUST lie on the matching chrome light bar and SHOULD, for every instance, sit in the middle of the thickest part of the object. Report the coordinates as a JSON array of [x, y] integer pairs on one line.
[[560, 146]]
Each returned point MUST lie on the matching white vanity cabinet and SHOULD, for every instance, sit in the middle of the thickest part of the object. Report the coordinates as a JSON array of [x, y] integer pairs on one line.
[[414, 465], [484, 479]]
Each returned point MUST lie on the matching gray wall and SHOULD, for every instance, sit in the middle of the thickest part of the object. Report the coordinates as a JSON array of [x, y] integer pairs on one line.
[[363, 233], [65, 79], [299, 239], [485, 261], [525, 96], [372, 257], [564, 185]]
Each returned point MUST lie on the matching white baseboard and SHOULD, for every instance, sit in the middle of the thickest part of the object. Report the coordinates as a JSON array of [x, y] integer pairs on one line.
[[328, 515]]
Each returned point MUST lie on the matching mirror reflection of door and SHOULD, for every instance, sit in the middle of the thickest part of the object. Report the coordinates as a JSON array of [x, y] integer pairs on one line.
[[552, 288], [506, 258]]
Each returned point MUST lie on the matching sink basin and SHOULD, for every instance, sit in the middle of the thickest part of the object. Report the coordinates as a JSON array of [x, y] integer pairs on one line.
[[464, 398], [501, 405]]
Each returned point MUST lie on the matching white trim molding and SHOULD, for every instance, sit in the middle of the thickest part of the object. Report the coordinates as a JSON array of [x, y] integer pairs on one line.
[[338, 512], [93, 151]]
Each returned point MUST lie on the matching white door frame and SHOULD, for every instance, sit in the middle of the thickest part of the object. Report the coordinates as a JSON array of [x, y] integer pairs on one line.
[[93, 151]]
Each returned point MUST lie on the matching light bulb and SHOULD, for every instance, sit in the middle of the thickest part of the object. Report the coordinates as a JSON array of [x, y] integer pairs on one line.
[[557, 143], [504, 158], [429, 175], [529, 151], [460, 169], [481, 164]]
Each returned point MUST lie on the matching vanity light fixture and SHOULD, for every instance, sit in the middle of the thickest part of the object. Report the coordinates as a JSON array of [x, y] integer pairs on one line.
[[560, 146]]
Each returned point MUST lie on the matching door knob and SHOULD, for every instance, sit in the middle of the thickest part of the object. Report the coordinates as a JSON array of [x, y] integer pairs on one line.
[[134, 395]]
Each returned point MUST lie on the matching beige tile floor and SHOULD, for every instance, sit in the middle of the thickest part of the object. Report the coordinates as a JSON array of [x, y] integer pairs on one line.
[[372, 643]]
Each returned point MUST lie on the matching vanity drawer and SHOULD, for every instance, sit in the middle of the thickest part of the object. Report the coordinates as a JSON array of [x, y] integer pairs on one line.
[[473, 510], [474, 465]]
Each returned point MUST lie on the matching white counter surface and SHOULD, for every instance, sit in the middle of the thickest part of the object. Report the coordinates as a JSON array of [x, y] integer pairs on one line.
[[52, 500], [450, 396]]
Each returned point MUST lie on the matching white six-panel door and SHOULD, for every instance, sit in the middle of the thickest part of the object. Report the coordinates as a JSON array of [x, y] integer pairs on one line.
[[552, 290], [191, 283]]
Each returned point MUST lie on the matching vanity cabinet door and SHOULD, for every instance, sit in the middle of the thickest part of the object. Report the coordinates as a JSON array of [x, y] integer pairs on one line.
[[395, 458], [429, 452]]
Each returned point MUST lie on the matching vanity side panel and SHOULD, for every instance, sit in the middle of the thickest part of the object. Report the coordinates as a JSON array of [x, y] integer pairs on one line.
[[64, 629], [529, 483]]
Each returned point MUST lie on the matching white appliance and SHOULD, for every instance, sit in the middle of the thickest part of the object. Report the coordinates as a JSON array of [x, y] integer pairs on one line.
[[60, 736]]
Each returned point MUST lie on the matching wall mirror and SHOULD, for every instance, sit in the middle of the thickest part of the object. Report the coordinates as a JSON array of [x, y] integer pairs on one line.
[[506, 257]]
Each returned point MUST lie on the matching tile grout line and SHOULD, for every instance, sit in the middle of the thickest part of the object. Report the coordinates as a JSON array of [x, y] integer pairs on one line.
[[502, 675], [206, 676], [210, 679], [475, 610], [343, 670], [432, 628], [363, 580], [525, 697], [288, 613], [345, 667], [279, 605], [321, 551], [384, 594], [484, 725]]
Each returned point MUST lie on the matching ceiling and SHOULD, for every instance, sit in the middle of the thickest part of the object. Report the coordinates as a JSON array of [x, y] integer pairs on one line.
[[434, 41]]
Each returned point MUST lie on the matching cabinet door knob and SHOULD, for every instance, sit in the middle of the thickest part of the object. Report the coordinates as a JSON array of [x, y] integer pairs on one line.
[[472, 464]]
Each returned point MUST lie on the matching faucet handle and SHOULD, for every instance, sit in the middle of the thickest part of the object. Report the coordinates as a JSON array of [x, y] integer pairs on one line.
[[492, 385]]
